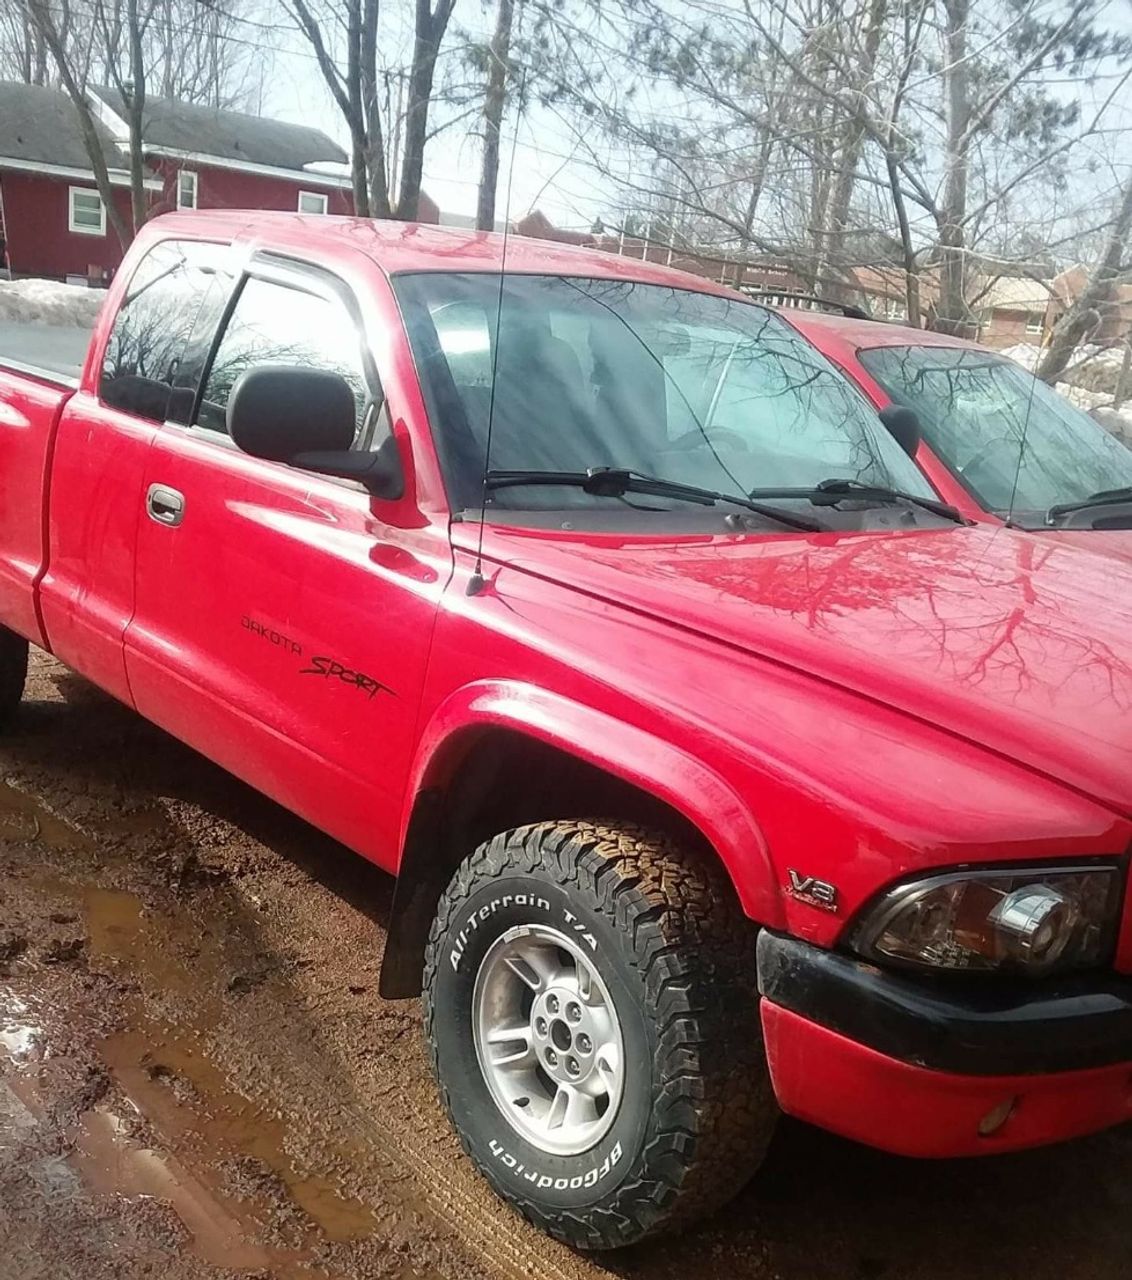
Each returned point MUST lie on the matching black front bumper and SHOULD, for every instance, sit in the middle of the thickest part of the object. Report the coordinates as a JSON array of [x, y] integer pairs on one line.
[[981, 1028]]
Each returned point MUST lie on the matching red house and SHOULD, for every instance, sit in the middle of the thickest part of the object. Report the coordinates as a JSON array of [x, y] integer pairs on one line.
[[52, 217]]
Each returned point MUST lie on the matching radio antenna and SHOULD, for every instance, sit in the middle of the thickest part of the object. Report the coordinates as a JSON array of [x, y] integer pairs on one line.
[[476, 581]]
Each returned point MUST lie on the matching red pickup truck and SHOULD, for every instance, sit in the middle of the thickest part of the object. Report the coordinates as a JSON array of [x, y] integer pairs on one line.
[[722, 767]]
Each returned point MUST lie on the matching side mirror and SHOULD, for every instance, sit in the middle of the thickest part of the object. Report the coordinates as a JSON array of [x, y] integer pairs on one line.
[[307, 418], [903, 426]]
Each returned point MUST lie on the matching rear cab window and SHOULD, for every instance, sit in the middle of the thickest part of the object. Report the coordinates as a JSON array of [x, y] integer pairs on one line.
[[153, 358]]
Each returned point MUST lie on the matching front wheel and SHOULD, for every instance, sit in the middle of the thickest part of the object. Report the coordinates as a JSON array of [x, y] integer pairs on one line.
[[592, 1014]]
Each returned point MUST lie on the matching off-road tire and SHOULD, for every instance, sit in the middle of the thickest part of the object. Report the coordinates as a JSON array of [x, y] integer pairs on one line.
[[13, 673], [678, 957]]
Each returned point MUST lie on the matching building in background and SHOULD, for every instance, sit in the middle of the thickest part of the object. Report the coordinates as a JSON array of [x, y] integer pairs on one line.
[[52, 219], [1113, 325], [206, 158], [1013, 309], [51, 215]]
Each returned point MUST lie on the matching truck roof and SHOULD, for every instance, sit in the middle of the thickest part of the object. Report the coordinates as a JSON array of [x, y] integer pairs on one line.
[[823, 328], [413, 246]]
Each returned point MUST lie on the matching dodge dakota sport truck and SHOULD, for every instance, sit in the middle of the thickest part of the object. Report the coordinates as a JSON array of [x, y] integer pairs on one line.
[[998, 444], [723, 769]]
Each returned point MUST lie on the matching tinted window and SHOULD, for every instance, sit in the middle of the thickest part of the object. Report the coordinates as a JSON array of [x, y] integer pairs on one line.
[[276, 324], [154, 322], [687, 386], [1015, 442]]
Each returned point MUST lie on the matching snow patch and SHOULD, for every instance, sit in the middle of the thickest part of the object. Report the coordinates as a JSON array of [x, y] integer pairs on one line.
[[49, 302], [1025, 354]]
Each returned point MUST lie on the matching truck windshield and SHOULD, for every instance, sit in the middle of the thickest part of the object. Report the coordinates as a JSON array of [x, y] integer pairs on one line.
[[1016, 444], [684, 386]]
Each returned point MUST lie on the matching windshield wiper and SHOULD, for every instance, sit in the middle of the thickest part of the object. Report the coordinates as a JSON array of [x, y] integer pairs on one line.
[[1103, 498], [612, 482], [830, 492]]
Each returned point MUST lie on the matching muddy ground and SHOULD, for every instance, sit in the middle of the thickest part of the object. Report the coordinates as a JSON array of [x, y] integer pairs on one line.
[[198, 1079]]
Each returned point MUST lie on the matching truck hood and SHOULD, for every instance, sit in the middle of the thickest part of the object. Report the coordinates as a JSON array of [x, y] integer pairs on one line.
[[1114, 543], [1020, 644]]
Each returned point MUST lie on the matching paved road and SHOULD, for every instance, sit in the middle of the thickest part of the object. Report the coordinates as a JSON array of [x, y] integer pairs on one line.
[[56, 347]]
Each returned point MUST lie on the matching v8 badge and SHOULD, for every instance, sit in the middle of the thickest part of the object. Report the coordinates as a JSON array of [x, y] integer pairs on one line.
[[813, 892]]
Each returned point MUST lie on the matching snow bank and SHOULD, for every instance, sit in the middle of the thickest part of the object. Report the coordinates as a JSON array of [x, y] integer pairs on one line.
[[48, 302], [1025, 354]]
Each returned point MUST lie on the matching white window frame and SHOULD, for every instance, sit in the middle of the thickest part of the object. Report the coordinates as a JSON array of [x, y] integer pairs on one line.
[[1039, 327], [79, 228], [182, 174], [313, 195]]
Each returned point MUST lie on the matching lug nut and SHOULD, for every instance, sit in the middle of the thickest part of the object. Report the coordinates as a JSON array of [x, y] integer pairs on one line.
[[540, 1027], [572, 1066], [551, 1058], [552, 1003], [584, 1043], [574, 1012]]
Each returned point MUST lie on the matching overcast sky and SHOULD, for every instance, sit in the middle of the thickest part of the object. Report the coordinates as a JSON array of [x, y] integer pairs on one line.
[[549, 172], [552, 170]]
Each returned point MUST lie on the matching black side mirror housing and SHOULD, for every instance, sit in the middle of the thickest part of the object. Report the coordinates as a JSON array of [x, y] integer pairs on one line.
[[307, 418], [379, 470], [903, 426]]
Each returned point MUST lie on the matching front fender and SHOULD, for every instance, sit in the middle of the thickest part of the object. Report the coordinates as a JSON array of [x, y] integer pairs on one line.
[[634, 755]]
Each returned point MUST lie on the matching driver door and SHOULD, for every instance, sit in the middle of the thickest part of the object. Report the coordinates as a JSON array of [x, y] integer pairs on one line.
[[280, 617]]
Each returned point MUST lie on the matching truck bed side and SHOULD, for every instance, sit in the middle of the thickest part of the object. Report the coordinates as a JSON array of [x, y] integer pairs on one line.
[[54, 351], [31, 403]]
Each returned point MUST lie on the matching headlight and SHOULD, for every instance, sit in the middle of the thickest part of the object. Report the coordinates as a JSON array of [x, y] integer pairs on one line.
[[1035, 921]]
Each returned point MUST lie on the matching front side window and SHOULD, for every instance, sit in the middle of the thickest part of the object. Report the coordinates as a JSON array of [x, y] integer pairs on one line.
[[186, 189], [279, 324], [1015, 443], [685, 386], [155, 320], [86, 213]]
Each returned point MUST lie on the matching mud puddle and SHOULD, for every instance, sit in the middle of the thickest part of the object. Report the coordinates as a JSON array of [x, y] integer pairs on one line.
[[172, 1131]]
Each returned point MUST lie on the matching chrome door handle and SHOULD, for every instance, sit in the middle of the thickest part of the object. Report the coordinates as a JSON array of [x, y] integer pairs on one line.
[[165, 505]]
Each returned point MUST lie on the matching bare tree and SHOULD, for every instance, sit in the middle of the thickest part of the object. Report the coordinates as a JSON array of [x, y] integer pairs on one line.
[[42, 14], [353, 88], [199, 51], [343, 35], [122, 26], [123, 44], [23, 52], [1088, 309], [429, 28], [494, 101], [906, 136]]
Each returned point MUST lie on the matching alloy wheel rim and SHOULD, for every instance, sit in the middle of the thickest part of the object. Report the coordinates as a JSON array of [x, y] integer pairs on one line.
[[548, 1039]]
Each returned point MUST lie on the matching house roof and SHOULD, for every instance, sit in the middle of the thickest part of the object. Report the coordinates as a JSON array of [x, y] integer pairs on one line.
[[1071, 283], [229, 135], [1012, 293], [41, 126]]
